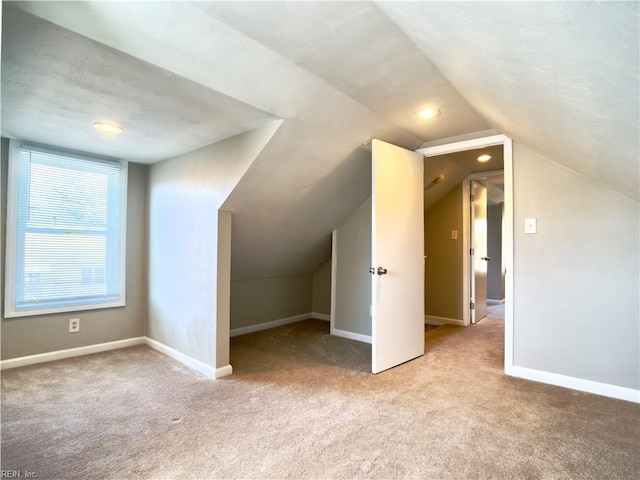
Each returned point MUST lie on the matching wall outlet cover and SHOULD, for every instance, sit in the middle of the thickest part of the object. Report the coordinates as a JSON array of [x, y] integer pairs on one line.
[[74, 325]]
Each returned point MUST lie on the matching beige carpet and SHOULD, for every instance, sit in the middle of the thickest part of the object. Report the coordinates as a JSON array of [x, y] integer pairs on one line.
[[302, 404]]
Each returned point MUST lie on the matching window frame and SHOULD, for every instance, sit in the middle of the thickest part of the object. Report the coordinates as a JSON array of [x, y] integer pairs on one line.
[[13, 244]]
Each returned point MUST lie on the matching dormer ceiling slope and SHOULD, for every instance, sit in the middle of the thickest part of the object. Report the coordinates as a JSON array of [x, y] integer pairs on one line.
[[338, 72]]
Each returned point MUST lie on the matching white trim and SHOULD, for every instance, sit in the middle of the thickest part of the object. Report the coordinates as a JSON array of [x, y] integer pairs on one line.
[[438, 321], [70, 353], [507, 247], [197, 365], [321, 316], [334, 277], [589, 386], [224, 371], [351, 335], [462, 145], [507, 253], [11, 310], [266, 325], [468, 280], [467, 291]]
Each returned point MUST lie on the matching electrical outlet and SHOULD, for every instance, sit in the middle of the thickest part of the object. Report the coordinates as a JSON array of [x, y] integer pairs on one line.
[[74, 325]]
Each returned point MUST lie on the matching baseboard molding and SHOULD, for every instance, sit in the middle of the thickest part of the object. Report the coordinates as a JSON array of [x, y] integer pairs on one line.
[[70, 352], [438, 321], [186, 360], [321, 316], [351, 335], [491, 301], [273, 323], [589, 386]]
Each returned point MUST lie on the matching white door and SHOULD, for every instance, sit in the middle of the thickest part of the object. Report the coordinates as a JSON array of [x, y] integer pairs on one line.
[[479, 258], [397, 256]]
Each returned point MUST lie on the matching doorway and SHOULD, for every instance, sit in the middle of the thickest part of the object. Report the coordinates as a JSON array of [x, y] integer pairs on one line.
[[452, 150]]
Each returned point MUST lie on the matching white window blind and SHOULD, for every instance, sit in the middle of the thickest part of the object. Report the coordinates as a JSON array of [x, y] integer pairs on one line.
[[65, 232]]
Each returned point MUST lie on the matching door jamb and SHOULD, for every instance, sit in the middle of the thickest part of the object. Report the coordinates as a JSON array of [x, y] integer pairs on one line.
[[466, 243], [508, 229]]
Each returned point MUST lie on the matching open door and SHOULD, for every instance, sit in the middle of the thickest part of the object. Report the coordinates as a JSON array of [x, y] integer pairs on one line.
[[479, 257], [397, 256]]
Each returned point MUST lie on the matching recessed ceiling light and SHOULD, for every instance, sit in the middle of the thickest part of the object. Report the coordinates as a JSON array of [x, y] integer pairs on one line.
[[427, 113], [108, 128], [484, 158]]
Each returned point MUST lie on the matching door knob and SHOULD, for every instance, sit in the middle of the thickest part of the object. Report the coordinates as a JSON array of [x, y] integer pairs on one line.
[[381, 271], [486, 259]]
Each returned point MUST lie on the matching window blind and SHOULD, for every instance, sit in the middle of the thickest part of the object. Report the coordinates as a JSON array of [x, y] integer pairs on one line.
[[66, 228]]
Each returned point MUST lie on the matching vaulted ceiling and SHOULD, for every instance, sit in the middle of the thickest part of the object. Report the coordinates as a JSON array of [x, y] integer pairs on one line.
[[561, 77]]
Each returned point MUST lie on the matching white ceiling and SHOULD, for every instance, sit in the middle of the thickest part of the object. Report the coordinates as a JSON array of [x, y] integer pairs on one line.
[[561, 77], [188, 74], [56, 84]]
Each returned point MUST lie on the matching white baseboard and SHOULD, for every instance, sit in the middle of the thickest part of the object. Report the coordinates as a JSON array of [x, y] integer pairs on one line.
[[321, 316], [589, 386], [438, 321], [186, 360], [70, 352], [351, 335], [491, 301], [266, 325]]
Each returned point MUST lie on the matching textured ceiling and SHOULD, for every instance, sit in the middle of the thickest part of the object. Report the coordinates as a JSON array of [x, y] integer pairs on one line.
[[56, 84], [357, 49], [561, 77]]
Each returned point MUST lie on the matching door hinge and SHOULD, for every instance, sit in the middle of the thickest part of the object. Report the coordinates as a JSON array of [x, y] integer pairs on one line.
[[473, 197], [472, 252], [472, 306]]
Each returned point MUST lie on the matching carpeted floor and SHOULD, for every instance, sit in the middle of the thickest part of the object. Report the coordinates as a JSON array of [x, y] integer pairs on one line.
[[301, 404]]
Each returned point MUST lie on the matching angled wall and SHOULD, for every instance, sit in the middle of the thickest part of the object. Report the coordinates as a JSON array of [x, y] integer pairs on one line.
[[351, 316], [185, 195]]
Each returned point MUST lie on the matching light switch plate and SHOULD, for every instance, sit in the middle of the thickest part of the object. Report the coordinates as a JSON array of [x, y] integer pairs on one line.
[[530, 225], [454, 234]]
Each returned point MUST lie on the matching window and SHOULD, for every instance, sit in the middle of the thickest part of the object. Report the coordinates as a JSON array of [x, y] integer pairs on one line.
[[65, 231]]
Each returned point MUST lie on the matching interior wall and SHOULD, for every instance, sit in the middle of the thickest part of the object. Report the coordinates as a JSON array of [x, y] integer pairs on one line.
[[495, 270], [321, 297], [576, 300], [261, 300], [352, 250], [37, 334], [443, 265], [185, 194]]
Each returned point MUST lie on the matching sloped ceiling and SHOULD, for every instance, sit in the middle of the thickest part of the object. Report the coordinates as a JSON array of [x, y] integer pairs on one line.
[[56, 84], [338, 72], [561, 77]]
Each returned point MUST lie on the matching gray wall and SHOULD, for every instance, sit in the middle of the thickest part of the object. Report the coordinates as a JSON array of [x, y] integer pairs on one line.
[[261, 300], [185, 194], [321, 298], [352, 248], [47, 333], [576, 281], [443, 266], [495, 271]]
